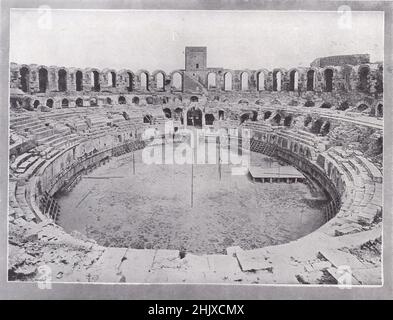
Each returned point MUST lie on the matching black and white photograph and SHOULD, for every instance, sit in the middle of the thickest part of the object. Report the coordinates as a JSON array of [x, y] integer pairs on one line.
[[196, 147]]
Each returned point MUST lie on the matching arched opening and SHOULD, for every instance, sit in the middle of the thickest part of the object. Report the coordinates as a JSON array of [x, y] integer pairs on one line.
[[380, 110], [293, 80], [93, 102], [310, 80], [254, 115], [95, 80], [267, 115], [307, 121], [194, 117], [79, 102], [326, 105], [36, 104], [64, 103], [362, 107], [228, 81], [316, 126], [149, 100], [328, 80], [160, 85], [277, 119], [108, 100], [43, 79], [209, 119], [261, 81], [363, 78], [147, 119], [221, 115], [49, 103], [325, 128], [244, 81], [309, 103], [259, 102], [167, 113], [122, 100], [287, 121], [194, 99], [135, 100], [178, 115], [244, 117], [144, 81], [24, 79], [277, 80], [211, 80], [177, 82], [112, 79], [243, 101], [79, 80], [129, 81], [343, 106], [62, 81]]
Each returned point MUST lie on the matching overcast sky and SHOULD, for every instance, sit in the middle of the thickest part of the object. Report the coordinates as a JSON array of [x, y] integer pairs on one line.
[[156, 39]]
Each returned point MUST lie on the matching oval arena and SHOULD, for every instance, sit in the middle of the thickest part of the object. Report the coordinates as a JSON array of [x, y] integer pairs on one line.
[[77, 136]]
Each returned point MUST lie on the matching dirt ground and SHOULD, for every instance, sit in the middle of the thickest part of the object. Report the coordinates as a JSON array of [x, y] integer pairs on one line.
[[152, 209]]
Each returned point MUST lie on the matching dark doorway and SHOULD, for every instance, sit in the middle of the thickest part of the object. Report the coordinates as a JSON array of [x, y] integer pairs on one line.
[[328, 80], [43, 80], [310, 80], [194, 117], [24, 79], [209, 119], [79, 80], [62, 82]]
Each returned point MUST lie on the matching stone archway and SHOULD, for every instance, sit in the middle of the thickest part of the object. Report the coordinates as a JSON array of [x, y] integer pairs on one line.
[[194, 117]]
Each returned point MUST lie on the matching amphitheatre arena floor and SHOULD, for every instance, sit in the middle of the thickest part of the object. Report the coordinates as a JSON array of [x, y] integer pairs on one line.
[[151, 209]]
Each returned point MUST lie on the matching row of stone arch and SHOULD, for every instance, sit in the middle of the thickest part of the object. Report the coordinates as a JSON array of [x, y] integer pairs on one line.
[[63, 80], [303, 79]]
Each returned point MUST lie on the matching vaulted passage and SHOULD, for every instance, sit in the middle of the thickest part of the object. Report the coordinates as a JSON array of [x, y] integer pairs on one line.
[[277, 80], [79, 80], [122, 100], [363, 79], [261, 81], [228, 81], [194, 117], [24, 79], [79, 102], [129, 80], [95, 81], [43, 79], [209, 119], [167, 113], [328, 80], [144, 81], [310, 80], [112, 79], [293, 80], [62, 82], [244, 81], [64, 103], [178, 115], [244, 117]]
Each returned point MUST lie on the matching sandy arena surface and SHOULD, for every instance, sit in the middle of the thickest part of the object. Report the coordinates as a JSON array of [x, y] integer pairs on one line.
[[151, 209]]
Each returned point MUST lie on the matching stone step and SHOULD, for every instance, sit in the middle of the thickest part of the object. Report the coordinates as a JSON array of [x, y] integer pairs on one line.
[[47, 139]]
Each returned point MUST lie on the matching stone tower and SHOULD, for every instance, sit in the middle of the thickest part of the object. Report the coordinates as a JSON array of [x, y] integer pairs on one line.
[[196, 58]]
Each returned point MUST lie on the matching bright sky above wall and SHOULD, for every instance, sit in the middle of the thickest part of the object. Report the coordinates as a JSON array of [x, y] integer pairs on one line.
[[156, 39]]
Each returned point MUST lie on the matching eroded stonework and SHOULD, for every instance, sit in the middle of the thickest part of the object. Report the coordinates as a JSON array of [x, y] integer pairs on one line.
[[325, 120]]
